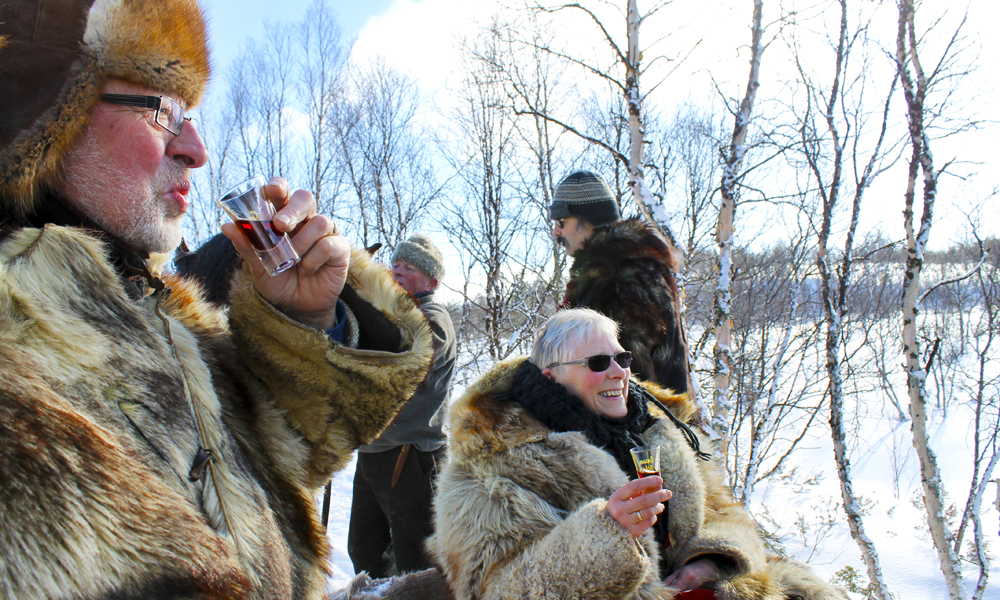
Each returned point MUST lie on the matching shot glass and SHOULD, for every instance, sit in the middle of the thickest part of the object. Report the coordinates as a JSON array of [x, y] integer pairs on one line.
[[647, 460], [252, 212]]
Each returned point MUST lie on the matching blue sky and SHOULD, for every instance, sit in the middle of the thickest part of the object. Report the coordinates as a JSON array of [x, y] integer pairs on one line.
[[232, 21], [416, 37]]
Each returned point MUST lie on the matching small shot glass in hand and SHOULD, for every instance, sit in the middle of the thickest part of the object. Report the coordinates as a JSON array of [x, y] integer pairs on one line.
[[248, 206], [647, 460]]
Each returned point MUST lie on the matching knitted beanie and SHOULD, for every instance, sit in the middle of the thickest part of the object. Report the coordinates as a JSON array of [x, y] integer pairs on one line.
[[585, 195], [420, 251], [56, 58]]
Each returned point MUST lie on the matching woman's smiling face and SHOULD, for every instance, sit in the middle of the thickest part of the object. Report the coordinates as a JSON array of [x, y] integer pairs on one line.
[[602, 393]]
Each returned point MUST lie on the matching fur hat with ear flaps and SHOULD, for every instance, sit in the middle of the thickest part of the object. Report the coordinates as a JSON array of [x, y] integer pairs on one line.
[[55, 60]]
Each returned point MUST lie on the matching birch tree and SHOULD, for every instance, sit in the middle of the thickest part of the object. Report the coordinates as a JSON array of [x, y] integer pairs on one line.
[[322, 86], [684, 167], [984, 386], [219, 134], [721, 403], [962, 320], [527, 72], [653, 211], [776, 389], [384, 156], [488, 220], [254, 128], [833, 127], [916, 82], [261, 92], [626, 79], [247, 132]]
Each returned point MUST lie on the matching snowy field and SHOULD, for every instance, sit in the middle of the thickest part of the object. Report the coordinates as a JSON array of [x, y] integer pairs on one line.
[[887, 482]]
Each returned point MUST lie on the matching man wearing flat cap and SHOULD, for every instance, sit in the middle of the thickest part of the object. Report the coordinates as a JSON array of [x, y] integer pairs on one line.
[[152, 445], [394, 478], [624, 270]]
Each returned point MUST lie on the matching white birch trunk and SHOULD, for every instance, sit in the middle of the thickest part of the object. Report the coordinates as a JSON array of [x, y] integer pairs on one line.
[[722, 403], [914, 89], [652, 210], [977, 526], [835, 307], [837, 432]]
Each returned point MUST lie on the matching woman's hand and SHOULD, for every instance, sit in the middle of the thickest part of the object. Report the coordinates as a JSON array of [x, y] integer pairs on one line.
[[693, 575], [636, 504], [307, 292]]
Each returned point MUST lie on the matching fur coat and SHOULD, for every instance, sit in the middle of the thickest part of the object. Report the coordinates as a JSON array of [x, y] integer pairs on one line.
[[626, 272], [519, 512], [109, 398]]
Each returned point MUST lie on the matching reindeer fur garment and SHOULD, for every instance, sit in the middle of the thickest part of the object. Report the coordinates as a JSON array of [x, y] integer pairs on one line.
[[519, 512], [626, 272], [101, 396]]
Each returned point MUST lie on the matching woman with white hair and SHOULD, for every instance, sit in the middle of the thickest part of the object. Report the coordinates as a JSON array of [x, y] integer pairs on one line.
[[540, 497]]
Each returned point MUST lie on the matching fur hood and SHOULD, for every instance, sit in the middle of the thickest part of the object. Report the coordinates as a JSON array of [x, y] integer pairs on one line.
[[57, 57], [519, 511]]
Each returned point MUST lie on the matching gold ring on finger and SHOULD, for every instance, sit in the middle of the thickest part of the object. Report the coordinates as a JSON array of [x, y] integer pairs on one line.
[[638, 514]]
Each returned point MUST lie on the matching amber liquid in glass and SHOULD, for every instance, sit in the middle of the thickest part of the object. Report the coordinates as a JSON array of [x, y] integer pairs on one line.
[[665, 515]]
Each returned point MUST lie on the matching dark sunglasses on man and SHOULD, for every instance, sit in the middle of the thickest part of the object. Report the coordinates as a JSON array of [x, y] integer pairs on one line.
[[600, 363], [169, 112]]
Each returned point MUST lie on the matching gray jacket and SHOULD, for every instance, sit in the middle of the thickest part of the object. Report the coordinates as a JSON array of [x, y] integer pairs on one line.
[[421, 420]]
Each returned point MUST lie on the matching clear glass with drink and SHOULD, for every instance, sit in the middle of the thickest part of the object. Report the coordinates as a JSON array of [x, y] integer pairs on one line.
[[647, 462], [248, 207]]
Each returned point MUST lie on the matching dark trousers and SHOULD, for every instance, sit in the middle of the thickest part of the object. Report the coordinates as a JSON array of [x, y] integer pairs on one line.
[[389, 524]]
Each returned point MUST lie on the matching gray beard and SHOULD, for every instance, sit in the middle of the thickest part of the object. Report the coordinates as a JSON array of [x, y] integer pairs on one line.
[[140, 223]]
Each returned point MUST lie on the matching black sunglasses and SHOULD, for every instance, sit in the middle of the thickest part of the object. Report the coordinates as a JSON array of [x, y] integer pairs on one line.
[[599, 363]]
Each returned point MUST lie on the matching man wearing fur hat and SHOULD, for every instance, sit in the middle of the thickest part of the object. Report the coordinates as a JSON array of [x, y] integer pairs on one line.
[[624, 270], [151, 447], [393, 482]]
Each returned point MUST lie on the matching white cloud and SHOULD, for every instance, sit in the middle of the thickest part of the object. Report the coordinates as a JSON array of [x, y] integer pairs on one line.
[[421, 38]]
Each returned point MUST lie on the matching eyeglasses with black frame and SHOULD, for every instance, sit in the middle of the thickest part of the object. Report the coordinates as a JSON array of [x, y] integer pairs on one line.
[[599, 363], [169, 112]]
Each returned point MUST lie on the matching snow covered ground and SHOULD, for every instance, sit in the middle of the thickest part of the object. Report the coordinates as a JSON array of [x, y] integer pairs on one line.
[[887, 482], [340, 516], [802, 507]]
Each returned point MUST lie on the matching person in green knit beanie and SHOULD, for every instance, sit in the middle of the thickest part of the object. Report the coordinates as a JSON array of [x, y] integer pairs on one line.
[[394, 478]]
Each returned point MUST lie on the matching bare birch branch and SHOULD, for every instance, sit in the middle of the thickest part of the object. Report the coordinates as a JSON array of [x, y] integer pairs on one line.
[[951, 280]]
